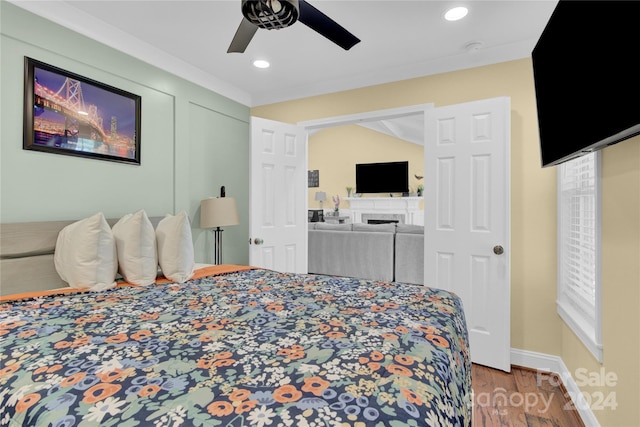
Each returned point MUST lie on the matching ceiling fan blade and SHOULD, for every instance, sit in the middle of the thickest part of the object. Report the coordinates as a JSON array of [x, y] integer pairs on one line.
[[243, 36], [318, 21]]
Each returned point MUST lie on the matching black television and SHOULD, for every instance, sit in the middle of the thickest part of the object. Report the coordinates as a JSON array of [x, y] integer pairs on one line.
[[587, 78], [389, 177]]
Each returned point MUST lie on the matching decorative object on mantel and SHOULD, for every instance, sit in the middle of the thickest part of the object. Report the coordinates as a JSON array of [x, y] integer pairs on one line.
[[349, 190], [336, 203], [321, 196], [420, 186]]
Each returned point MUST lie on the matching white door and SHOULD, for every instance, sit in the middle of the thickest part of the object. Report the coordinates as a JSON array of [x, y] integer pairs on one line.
[[467, 208], [278, 196]]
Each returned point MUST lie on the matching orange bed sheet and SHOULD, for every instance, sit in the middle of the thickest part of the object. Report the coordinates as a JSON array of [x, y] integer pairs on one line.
[[199, 273]]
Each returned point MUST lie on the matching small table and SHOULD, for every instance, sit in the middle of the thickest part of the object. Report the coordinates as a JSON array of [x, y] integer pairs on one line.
[[336, 219]]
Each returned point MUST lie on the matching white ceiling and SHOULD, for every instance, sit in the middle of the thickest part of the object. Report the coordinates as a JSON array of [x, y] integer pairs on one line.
[[400, 40]]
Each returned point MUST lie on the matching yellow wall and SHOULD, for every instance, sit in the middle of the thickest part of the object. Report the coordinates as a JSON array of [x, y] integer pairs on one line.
[[618, 379], [535, 326], [335, 151]]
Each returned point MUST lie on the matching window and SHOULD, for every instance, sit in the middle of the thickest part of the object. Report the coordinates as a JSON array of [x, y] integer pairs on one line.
[[579, 249]]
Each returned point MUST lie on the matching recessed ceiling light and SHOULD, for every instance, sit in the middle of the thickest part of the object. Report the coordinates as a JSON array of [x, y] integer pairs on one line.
[[261, 63], [456, 13]]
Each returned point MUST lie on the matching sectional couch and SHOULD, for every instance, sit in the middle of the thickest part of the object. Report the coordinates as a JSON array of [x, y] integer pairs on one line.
[[387, 252]]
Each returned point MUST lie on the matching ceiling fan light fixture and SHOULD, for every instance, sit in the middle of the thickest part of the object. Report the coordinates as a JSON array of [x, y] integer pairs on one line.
[[277, 14], [271, 14]]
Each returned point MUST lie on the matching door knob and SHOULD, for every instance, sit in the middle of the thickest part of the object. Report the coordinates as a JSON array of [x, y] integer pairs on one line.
[[258, 241], [498, 250]]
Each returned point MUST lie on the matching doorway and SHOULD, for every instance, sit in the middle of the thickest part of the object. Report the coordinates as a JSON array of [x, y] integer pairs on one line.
[[465, 127]]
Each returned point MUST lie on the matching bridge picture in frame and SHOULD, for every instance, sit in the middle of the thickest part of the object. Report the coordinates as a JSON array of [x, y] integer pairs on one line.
[[65, 113]]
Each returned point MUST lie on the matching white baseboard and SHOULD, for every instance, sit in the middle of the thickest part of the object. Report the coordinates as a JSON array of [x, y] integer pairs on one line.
[[547, 362]]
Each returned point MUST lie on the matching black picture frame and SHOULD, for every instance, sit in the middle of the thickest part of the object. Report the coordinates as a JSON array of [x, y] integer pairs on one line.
[[65, 113], [314, 178]]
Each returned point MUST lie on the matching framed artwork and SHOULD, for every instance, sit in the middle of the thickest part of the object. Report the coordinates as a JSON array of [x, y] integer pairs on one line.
[[314, 178], [65, 113]]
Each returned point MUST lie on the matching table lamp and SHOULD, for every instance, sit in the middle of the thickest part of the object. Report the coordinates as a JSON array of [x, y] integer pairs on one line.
[[216, 212], [321, 196]]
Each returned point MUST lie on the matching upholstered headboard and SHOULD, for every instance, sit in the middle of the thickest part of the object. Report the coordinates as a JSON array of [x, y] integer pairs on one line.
[[26, 255]]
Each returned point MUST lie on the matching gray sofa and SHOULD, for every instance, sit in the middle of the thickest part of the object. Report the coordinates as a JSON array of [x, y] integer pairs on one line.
[[386, 252]]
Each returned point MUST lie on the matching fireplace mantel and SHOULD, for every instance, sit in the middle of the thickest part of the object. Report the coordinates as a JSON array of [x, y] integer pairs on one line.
[[407, 206]]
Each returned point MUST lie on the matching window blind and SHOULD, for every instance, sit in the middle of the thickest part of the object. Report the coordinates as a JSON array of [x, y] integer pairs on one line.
[[579, 244]]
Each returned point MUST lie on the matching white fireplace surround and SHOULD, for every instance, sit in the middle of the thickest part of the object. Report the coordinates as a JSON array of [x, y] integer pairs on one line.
[[406, 210]]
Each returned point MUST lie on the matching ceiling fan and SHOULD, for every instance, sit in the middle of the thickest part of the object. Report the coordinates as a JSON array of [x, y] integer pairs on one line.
[[277, 14]]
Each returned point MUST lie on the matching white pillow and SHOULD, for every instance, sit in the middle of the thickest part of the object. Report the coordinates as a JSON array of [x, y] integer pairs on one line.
[[85, 254], [175, 247], [136, 246]]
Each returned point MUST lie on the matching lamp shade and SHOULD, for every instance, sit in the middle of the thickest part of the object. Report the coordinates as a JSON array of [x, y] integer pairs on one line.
[[321, 196], [218, 212]]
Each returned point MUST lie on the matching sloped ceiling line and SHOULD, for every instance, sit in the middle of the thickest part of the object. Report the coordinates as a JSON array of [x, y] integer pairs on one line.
[[409, 128]]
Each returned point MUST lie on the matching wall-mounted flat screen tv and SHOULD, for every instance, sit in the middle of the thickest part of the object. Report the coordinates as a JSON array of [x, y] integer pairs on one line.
[[587, 78], [389, 177]]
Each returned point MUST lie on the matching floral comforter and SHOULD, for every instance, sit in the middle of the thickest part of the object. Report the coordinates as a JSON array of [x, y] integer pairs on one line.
[[252, 347]]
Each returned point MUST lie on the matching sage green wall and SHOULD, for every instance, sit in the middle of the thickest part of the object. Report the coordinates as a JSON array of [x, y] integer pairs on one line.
[[192, 140]]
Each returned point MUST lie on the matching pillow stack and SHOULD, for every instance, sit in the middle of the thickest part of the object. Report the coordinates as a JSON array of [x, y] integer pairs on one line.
[[89, 253]]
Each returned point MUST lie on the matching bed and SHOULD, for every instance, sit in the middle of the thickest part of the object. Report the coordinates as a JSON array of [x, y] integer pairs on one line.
[[233, 346]]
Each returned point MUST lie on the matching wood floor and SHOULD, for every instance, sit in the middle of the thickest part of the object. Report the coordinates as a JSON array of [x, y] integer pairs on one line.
[[523, 397]]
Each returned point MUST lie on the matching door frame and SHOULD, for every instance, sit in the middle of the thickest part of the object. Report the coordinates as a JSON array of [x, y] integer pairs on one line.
[[315, 125]]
